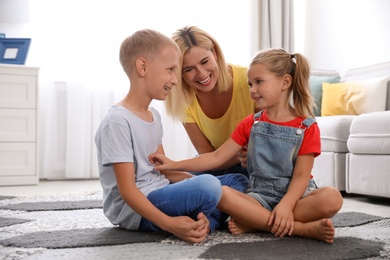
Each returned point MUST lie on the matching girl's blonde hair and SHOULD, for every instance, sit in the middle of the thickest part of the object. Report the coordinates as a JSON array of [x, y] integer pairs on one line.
[[143, 43], [280, 62], [183, 95]]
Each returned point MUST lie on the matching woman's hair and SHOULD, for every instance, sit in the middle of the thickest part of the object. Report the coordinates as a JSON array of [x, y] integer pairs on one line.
[[182, 95], [280, 62], [143, 43]]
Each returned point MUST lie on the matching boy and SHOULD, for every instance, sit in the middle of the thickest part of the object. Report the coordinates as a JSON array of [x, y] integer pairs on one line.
[[135, 196]]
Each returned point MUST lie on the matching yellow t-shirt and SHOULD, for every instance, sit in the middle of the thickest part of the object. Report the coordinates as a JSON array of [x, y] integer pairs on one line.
[[217, 131]]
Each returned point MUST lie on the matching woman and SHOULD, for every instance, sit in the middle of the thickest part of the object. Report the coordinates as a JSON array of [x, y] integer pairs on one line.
[[212, 96]]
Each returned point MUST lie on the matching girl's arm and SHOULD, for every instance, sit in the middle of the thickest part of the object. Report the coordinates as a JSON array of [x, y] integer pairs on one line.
[[173, 176], [282, 217], [300, 179], [182, 226], [203, 145], [203, 162]]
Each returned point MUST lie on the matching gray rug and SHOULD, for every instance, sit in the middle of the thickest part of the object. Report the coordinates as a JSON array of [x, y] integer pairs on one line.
[[55, 205], [41, 228], [12, 221]]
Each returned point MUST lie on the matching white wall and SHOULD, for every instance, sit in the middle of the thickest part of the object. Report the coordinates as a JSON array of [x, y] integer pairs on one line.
[[78, 41], [343, 34]]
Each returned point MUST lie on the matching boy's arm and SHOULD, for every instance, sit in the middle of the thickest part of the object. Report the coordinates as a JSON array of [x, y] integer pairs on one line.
[[203, 162], [182, 227]]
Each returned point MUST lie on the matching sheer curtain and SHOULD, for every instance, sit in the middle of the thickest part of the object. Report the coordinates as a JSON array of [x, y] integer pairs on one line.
[[275, 24], [76, 45]]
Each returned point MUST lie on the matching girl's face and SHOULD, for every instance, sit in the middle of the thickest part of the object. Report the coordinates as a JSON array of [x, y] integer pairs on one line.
[[200, 69], [265, 87]]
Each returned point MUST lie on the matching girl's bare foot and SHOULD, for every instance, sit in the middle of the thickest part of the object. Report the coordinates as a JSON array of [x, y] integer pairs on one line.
[[237, 228], [322, 230]]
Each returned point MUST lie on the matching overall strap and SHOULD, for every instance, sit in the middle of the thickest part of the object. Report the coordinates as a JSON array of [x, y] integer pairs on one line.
[[257, 116], [309, 121]]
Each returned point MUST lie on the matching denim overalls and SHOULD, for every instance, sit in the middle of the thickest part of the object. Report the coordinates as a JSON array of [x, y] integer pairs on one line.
[[272, 152]]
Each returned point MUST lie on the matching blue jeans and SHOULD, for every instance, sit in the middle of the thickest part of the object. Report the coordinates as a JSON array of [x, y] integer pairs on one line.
[[233, 169], [192, 196]]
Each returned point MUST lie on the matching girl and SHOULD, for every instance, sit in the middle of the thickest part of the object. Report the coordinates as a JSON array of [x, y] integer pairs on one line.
[[283, 140]]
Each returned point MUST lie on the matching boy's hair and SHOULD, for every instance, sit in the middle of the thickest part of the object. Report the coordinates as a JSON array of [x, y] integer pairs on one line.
[[183, 95], [280, 62], [143, 43]]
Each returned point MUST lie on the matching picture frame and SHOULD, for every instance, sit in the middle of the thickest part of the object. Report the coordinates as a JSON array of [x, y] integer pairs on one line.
[[14, 50]]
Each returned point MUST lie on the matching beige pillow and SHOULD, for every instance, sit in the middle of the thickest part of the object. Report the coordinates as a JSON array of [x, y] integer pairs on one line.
[[355, 97]]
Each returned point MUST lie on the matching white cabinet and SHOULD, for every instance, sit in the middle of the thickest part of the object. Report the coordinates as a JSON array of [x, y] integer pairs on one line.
[[18, 125]]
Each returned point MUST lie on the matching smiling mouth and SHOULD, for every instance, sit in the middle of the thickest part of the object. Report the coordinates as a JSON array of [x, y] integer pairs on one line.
[[205, 81]]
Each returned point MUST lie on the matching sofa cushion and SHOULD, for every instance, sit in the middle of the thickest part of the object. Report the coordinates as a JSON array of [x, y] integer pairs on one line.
[[371, 71], [334, 131], [317, 77], [354, 98], [370, 134]]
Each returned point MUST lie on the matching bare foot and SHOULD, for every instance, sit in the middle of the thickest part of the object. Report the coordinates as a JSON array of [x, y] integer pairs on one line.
[[237, 228], [322, 230]]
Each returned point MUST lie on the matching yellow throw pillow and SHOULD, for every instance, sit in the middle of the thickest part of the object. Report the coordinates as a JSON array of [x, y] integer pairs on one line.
[[354, 98]]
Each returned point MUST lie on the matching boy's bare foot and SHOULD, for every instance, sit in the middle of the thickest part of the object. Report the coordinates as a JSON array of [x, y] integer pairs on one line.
[[322, 230], [236, 228]]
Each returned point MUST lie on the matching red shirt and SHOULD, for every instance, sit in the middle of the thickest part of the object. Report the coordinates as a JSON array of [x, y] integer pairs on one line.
[[311, 141]]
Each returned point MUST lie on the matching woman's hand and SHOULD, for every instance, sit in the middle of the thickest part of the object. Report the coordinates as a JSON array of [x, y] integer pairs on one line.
[[242, 156]]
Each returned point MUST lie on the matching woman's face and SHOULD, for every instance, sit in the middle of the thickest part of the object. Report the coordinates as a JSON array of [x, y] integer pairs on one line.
[[200, 69]]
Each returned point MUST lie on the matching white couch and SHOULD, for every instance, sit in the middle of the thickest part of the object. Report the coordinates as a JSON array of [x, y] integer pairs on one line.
[[355, 154]]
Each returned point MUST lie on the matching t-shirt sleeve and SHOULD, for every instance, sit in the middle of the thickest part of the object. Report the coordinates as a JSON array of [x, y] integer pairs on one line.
[[242, 132], [311, 141], [188, 116], [116, 144]]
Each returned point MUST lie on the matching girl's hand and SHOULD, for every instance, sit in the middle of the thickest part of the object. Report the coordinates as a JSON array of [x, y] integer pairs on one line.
[[161, 161], [282, 219]]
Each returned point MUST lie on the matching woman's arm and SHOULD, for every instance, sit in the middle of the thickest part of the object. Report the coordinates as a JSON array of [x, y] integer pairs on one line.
[[198, 139]]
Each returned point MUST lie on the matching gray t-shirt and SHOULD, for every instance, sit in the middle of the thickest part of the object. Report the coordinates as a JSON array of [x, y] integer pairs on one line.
[[124, 137]]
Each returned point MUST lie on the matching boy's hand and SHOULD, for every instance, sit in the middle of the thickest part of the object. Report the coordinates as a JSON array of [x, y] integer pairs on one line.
[[189, 230], [161, 161]]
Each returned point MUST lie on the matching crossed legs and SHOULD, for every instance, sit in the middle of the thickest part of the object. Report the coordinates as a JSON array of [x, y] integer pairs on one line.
[[311, 214]]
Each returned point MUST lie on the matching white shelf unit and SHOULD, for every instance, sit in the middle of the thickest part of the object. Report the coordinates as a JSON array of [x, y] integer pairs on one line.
[[18, 125]]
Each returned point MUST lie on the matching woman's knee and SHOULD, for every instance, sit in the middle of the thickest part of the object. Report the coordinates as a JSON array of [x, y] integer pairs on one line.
[[236, 181]]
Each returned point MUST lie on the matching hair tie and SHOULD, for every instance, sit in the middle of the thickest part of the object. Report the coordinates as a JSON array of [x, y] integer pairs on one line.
[[292, 56]]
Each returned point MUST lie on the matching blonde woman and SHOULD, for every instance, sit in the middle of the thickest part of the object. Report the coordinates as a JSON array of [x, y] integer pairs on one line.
[[212, 96]]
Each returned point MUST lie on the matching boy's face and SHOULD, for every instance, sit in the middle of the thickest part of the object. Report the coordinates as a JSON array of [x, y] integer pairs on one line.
[[161, 72]]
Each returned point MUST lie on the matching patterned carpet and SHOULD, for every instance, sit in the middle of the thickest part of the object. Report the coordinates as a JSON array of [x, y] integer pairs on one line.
[[74, 227]]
